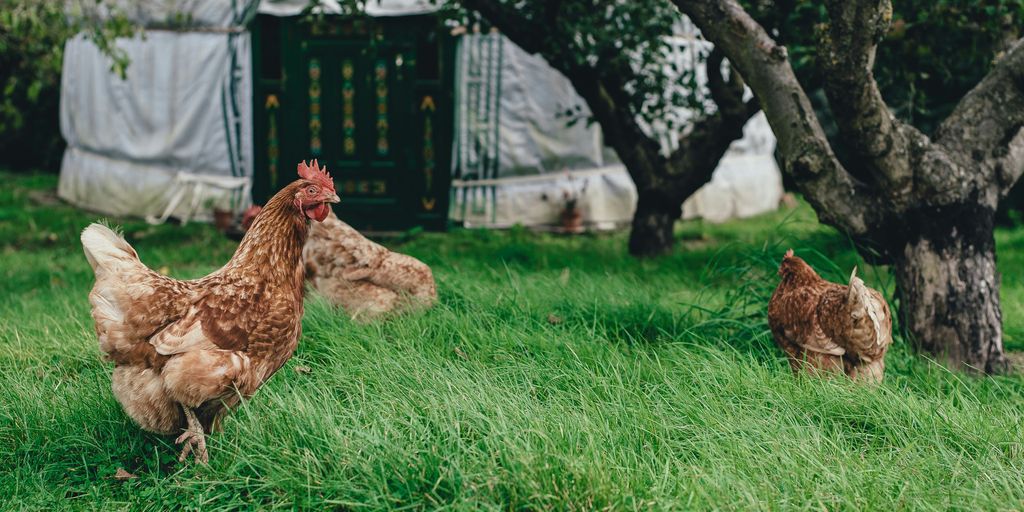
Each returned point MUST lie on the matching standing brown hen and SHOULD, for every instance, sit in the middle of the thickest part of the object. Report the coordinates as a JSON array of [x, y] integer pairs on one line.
[[824, 326], [185, 352]]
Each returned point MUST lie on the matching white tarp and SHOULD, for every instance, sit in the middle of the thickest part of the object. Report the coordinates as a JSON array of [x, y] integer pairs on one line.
[[372, 7], [604, 194], [178, 14], [515, 158], [174, 137]]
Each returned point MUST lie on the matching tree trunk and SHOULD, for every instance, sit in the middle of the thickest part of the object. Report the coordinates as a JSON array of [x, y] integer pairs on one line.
[[948, 289], [653, 224]]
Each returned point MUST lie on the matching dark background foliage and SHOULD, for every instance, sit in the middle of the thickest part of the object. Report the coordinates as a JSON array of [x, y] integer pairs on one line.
[[32, 36]]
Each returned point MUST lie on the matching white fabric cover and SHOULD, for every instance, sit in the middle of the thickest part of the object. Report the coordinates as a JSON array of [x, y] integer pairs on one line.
[[182, 118], [534, 135], [194, 14], [539, 200], [741, 187], [372, 7], [747, 181], [537, 152]]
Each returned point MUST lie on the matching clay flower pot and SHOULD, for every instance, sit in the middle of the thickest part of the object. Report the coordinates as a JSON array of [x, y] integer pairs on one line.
[[223, 219], [572, 219]]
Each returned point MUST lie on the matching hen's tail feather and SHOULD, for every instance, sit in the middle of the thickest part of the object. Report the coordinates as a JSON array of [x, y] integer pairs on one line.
[[106, 249], [118, 276], [860, 298]]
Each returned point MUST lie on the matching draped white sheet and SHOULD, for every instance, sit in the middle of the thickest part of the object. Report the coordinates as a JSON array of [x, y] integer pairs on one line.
[[181, 117]]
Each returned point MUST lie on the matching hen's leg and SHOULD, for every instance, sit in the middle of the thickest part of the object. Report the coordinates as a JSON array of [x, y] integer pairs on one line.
[[194, 378], [193, 437], [872, 372]]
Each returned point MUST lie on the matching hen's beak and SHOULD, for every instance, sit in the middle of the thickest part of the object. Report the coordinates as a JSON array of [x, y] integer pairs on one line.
[[333, 199]]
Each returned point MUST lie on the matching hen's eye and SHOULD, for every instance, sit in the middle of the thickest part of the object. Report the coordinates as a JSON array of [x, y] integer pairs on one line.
[[311, 190]]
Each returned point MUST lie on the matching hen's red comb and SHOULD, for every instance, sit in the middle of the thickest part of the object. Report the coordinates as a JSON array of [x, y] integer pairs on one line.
[[316, 174], [789, 253]]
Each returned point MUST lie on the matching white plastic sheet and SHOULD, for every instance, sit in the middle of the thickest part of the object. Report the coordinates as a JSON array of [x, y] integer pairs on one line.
[[183, 110], [372, 7]]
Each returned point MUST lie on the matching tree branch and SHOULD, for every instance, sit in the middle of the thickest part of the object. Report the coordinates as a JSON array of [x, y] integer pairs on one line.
[[700, 150], [609, 103], [840, 200], [988, 121], [879, 142], [728, 95]]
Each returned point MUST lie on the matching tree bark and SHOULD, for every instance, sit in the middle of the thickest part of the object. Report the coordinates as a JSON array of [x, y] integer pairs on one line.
[[879, 142], [653, 224], [948, 288]]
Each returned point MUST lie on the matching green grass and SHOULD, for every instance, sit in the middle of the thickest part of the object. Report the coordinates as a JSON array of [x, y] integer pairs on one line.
[[655, 386]]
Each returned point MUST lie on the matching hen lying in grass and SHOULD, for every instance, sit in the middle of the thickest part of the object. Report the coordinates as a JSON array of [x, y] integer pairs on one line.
[[829, 327], [185, 352], [363, 277]]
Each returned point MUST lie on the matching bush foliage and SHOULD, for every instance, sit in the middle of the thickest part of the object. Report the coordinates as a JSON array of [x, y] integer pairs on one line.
[[32, 36]]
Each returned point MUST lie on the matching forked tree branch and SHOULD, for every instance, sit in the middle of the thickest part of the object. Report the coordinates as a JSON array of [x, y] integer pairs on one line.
[[606, 90], [880, 143], [700, 150], [840, 200], [988, 122]]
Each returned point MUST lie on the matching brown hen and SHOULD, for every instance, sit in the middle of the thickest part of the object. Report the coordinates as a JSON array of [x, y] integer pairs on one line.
[[829, 327], [363, 277], [185, 352]]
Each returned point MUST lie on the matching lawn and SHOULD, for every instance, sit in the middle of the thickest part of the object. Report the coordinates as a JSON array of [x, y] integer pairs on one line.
[[556, 373]]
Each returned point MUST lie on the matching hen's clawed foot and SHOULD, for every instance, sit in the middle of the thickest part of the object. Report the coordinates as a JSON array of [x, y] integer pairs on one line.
[[194, 439]]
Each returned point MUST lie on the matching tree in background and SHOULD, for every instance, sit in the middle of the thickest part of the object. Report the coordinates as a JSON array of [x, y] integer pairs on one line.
[[32, 36], [923, 203], [931, 55], [615, 55]]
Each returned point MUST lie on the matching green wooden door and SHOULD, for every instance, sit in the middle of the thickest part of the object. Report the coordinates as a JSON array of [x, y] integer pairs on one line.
[[357, 96]]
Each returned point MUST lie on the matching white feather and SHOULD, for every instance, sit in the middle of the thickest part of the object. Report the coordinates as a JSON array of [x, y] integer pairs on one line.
[[106, 250]]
